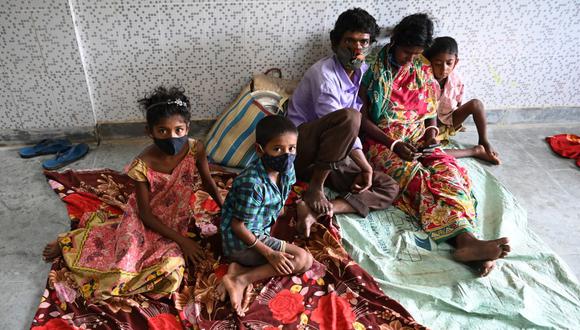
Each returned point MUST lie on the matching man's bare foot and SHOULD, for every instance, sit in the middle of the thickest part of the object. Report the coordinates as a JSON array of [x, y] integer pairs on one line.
[[235, 286], [478, 250], [306, 218], [485, 152], [51, 251], [315, 199]]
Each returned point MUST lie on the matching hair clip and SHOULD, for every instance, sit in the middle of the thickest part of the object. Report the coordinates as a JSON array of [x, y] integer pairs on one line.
[[178, 102]]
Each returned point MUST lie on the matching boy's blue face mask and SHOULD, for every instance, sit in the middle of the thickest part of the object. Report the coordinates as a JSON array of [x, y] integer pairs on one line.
[[282, 163], [171, 146]]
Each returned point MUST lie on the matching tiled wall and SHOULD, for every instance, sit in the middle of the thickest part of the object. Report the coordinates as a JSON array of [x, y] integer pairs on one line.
[[514, 54], [42, 82]]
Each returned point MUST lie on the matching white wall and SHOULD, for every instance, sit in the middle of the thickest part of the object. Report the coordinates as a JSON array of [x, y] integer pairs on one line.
[[514, 54]]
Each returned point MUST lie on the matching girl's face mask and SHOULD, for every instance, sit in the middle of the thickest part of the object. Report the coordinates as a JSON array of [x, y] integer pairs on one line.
[[171, 146]]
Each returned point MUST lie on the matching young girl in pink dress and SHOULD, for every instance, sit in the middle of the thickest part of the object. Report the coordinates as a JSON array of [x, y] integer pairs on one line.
[[146, 249]]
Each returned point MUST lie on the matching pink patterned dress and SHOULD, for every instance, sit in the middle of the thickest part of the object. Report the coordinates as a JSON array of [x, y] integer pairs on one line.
[[121, 257]]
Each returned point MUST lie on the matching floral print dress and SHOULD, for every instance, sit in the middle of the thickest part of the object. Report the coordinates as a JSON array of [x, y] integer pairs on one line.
[[434, 189]]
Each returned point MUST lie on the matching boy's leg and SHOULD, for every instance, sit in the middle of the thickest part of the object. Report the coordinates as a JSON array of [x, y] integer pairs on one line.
[[476, 109], [239, 277], [322, 145]]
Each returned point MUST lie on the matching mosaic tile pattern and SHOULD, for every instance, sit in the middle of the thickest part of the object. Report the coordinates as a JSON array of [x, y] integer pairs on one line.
[[42, 82], [515, 54]]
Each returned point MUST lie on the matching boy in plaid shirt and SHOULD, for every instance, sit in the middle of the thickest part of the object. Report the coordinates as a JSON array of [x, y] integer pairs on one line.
[[252, 206]]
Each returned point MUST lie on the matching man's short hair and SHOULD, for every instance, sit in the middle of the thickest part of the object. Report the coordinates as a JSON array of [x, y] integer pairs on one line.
[[271, 127], [354, 20]]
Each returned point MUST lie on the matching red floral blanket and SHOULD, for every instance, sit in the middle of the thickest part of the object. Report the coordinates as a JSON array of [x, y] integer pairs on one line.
[[334, 294]]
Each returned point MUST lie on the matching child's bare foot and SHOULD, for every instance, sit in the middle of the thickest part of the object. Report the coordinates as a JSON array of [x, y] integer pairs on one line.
[[477, 250], [247, 298], [306, 218], [316, 200], [51, 251], [235, 286], [488, 155], [220, 292]]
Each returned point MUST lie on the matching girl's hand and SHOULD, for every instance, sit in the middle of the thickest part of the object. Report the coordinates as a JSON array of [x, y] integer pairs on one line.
[[406, 151], [192, 251], [281, 262]]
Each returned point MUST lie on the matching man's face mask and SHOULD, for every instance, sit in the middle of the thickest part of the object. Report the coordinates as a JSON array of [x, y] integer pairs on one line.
[[351, 60]]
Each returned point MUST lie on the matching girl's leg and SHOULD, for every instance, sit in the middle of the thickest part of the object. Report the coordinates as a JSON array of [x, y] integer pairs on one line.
[[51, 251], [475, 108], [238, 277]]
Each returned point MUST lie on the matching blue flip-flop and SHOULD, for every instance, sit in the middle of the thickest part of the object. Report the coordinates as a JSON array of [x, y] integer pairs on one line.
[[66, 157], [45, 147]]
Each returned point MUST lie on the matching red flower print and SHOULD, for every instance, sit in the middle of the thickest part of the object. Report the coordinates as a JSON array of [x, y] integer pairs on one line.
[[221, 270], [333, 313], [210, 205], [55, 324], [164, 321], [286, 306]]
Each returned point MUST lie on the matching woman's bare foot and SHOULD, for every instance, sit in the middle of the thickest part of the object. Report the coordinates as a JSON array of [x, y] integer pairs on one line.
[[306, 218], [51, 251], [317, 201], [485, 152], [235, 286], [471, 249], [485, 267]]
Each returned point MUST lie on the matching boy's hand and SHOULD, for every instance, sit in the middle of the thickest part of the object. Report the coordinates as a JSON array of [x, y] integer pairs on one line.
[[406, 151], [362, 182], [281, 262], [192, 251]]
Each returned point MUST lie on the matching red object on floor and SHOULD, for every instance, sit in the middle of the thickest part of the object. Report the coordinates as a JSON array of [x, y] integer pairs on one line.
[[566, 145]]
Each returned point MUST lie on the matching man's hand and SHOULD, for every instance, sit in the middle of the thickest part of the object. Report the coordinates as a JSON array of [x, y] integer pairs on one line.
[[362, 182]]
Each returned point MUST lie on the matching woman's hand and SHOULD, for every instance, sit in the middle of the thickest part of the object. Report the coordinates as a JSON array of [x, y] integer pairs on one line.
[[406, 151], [431, 141], [192, 251], [281, 262]]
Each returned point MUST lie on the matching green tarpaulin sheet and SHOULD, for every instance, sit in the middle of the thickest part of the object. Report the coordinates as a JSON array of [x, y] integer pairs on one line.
[[531, 289]]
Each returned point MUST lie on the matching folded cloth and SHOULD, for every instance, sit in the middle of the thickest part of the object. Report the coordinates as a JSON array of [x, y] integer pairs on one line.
[[67, 156], [45, 147], [566, 145]]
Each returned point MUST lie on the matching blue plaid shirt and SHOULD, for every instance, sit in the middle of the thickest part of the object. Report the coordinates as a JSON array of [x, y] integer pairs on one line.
[[256, 201]]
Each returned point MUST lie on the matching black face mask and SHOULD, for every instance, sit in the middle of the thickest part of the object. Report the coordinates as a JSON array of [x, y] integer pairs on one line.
[[171, 146], [282, 163]]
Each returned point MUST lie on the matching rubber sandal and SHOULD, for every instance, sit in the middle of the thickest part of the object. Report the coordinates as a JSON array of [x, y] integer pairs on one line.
[[66, 157], [45, 147]]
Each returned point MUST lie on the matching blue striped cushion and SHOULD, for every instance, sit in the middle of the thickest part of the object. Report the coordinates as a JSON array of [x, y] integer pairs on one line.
[[230, 142]]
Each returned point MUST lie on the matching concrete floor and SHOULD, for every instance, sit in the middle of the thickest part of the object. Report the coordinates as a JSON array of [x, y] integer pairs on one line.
[[31, 214]]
